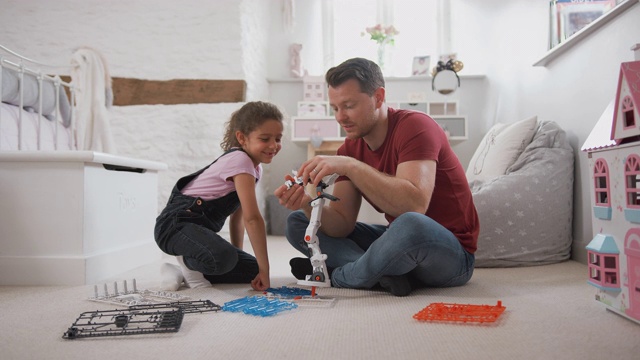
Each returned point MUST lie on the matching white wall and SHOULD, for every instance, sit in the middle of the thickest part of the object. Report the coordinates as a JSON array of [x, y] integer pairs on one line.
[[227, 39], [303, 30], [573, 90], [157, 40]]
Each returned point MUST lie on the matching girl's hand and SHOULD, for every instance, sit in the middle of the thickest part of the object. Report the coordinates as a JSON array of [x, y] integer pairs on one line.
[[261, 282]]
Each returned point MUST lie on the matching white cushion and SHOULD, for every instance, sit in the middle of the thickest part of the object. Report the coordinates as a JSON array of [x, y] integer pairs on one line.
[[500, 148]]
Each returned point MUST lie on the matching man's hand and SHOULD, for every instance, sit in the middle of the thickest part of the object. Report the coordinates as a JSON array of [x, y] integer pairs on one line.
[[320, 166], [293, 198]]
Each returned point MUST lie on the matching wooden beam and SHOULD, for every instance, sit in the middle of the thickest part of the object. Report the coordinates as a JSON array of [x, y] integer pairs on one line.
[[153, 92], [127, 91]]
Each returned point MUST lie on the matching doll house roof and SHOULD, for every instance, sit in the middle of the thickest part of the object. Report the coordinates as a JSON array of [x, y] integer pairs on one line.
[[604, 244], [603, 135], [600, 136], [629, 73]]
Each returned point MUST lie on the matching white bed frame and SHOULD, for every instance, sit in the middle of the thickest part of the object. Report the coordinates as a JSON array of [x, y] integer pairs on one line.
[[75, 217], [24, 66]]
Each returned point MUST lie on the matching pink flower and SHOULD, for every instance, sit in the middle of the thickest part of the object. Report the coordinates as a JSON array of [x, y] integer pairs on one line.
[[381, 34]]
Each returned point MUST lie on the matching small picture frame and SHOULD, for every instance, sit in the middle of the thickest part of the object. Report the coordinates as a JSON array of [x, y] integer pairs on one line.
[[573, 16], [421, 65], [446, 57], [313, 108]]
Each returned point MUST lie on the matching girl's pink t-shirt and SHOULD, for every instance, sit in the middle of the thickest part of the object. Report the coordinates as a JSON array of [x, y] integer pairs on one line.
[[217, 181]]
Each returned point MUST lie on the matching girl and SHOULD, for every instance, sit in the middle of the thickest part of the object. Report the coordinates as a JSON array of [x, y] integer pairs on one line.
[[201, 202]]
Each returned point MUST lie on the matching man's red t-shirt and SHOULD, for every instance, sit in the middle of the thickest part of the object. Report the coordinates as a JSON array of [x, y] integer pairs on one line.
[[416, 136]]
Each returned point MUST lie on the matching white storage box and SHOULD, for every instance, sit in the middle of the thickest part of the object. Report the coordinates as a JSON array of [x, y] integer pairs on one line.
[[75, 217]]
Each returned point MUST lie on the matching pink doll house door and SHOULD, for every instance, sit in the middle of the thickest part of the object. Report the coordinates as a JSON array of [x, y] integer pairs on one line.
[[632, 250]]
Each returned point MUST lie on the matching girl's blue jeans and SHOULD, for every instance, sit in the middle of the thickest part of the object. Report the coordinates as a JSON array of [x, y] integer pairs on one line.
[[413, 245]]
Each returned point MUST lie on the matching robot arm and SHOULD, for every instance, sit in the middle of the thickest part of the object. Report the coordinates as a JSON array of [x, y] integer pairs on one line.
[[320, 276]]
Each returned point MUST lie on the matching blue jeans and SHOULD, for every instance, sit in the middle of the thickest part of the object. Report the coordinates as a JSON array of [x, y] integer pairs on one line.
[[207, 252], [414, 245]]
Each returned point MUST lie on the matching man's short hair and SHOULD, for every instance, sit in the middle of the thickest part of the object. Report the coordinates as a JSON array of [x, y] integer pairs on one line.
[[366, 72]]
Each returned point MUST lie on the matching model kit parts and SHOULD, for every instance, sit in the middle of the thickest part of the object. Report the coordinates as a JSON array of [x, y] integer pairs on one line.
[[125, 322], [287, 292], [258, 306], [460, 312]]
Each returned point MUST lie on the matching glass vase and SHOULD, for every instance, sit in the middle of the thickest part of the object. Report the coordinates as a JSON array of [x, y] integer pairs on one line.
[[382, 55]]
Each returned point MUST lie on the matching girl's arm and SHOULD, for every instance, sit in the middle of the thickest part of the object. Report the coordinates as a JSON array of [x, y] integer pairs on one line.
[[236, 228], [254, 224]]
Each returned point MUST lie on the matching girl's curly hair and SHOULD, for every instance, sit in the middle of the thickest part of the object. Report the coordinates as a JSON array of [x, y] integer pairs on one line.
[[248, 118]]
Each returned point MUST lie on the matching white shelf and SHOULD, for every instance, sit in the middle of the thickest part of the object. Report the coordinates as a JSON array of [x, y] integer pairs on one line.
[[420, 78], [327, 128], [584, 32], [444, 113]]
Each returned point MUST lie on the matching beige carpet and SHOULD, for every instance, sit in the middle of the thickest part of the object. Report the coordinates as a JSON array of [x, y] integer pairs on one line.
[[550, 314]]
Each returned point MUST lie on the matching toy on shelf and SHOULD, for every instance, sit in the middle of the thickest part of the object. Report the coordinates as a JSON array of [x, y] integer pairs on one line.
[[460, 313], [258, 306], [314, 88], [320, 276], [613, 148]]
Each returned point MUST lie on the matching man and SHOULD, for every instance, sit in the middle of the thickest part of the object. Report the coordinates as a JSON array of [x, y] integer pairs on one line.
[[401, 162]]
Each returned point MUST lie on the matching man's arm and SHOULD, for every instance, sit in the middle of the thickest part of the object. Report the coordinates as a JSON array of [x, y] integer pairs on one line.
[[409, 190], [339, 217]]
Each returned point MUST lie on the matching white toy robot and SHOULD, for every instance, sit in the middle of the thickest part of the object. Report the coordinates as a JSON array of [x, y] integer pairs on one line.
[[320, 276]]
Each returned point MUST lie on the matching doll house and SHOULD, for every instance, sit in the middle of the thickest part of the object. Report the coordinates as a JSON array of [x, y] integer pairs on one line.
[[613, 149], [314, 88]]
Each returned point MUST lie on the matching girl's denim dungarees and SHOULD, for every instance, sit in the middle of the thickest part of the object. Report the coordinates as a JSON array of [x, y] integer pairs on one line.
[[188, 226]]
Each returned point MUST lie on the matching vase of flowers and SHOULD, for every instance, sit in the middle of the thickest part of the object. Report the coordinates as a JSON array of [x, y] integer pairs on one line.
[[383, 36]]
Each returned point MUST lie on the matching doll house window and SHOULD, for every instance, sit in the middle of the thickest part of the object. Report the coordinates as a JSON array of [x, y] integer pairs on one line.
[[605, 276], [628, 115], [632, 181], [610, 270], [603, 263], [601, 178]]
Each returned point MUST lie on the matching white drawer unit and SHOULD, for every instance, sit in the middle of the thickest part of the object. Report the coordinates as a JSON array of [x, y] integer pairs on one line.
[[434, 108], [325, 127], [444, 113], [456, 125], [416, 106], [75, 217]]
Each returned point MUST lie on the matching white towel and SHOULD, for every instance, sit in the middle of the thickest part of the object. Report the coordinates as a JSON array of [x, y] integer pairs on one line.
[[92, 82]]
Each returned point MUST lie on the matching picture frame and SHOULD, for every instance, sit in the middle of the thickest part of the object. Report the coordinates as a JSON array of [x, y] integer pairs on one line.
[[421, 65], [570, 16], [446, 57]]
